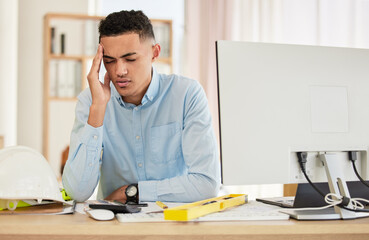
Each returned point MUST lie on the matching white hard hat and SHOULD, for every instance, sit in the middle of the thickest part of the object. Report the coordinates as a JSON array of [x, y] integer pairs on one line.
[[26, 174]]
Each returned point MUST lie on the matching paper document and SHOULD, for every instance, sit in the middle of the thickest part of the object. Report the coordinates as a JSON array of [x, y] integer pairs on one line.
[[251, 211], [52, 208]]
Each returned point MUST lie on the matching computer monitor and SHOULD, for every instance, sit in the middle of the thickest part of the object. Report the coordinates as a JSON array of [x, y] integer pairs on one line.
[[278, 99]]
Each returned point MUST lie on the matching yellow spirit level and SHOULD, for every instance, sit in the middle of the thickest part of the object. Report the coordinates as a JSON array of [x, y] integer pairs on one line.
[[197, 209]]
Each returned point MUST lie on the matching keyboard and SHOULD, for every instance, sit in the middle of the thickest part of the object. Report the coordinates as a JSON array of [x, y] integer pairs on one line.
[[247, 212], [141, 217], [252, 211]]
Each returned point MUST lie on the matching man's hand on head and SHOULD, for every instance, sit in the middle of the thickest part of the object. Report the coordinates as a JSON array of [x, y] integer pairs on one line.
[[100, 92]]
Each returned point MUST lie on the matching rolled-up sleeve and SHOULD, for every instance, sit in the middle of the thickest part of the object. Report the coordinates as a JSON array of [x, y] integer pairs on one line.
[[82, 170]]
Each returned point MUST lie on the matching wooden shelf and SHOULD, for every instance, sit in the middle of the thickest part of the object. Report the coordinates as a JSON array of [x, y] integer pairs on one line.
[[165, 60], [1, 142], [66, 24], [81, 57], [69, 57], [62, 99], [68, 16]]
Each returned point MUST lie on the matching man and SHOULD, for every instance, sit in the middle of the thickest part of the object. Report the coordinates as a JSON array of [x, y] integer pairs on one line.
[[145, 136]]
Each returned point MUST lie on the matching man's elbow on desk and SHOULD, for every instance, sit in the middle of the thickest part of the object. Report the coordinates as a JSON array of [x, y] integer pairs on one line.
[[205, 189], [76, 195], [211, 192]]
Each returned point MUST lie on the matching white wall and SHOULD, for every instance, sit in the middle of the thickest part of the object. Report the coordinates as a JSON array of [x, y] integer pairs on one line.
[[30, 71], [8, 70], [158, 9]]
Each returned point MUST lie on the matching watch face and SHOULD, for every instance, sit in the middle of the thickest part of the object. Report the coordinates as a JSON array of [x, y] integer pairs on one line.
[[131, 191]]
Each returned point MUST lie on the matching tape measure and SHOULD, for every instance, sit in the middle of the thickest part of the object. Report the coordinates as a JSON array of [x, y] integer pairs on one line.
[[201, 208]]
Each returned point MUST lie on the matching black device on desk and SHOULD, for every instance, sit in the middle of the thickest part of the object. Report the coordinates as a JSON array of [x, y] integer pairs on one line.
[[114, 206], [307, 196], [132, 203]]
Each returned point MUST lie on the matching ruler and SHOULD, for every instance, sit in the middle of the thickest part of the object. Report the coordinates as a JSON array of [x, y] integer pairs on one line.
[[197, 209]]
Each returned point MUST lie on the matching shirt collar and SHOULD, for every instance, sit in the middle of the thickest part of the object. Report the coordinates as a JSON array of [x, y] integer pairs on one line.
[[150, 94], [153, 89]]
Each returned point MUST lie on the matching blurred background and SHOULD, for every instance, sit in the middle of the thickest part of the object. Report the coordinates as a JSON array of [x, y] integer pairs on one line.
[[195, 26]]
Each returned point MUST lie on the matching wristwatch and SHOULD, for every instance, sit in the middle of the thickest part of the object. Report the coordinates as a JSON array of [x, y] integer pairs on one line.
[[132, 194]]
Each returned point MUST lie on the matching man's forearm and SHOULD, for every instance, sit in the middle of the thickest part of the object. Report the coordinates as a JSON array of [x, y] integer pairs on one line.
[[185, 188], [81, 172], [96, 115]]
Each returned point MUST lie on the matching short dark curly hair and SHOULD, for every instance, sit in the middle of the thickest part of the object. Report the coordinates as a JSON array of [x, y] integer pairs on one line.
[[118, 23]]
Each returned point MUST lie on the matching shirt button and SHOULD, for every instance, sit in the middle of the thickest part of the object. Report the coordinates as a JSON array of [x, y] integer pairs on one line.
[[90, 164], [135, 108], [140, 165], [95, 137], [137, 137]]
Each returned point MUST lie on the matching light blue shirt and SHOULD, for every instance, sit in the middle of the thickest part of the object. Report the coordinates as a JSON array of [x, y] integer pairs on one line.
[[166, 145]]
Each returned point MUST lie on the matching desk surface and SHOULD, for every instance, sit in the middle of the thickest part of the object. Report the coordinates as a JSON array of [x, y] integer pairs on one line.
[[79, 226]]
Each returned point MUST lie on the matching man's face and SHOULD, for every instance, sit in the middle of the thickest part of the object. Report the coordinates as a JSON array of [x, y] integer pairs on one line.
[[128, 61]]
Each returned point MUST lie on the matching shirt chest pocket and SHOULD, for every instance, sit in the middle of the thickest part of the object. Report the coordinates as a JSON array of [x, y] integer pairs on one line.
[[166, 143]]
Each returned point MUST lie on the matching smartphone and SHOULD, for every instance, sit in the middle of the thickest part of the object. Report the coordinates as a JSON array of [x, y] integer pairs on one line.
[[113, 206]]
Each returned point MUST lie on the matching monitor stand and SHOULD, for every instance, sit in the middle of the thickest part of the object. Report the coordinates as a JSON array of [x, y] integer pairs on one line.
[[337, 185]]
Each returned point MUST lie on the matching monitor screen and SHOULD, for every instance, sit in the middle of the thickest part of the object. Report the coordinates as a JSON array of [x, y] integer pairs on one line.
[[278, 99]]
